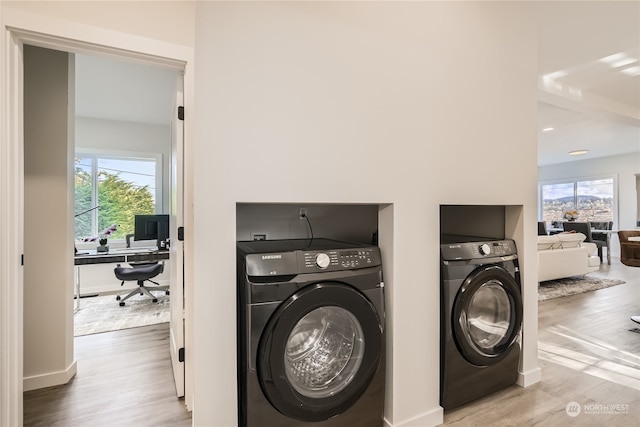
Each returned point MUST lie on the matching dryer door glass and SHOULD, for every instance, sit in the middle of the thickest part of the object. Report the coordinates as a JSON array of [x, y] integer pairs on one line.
[[323, 352], [487, 319], [487, 315]]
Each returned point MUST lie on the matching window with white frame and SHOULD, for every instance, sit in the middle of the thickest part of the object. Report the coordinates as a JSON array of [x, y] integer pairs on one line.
[[112, 189], [592, 199]]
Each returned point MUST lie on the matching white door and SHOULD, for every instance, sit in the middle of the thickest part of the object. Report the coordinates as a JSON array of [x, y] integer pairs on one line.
[[176, 261]]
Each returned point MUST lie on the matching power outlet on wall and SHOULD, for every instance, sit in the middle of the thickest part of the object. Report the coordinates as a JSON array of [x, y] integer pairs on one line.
[[302, 213], [259, 236]]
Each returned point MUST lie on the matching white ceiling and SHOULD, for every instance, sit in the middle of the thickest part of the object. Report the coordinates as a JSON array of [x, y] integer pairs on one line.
[[590, 104], [125, 91]]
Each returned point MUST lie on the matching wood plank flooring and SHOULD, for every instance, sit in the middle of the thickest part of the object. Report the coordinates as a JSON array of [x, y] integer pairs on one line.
[[124, 379], [587, 356]]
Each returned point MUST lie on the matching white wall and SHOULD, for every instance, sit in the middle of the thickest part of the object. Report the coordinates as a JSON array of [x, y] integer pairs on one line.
[[638, 199], [48, 243], [123, 136], [170, 21], [623, 166], [409, 105]]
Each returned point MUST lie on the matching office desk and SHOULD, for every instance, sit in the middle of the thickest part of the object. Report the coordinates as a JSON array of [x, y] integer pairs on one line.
[[594, 232], [115, 256]]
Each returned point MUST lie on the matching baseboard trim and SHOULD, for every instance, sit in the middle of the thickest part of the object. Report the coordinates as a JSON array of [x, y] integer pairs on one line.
[[435, 417], [36, 382], [525, 379]]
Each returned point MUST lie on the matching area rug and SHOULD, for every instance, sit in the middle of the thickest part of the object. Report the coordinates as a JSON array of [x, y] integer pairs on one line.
[[571, 286], [104, 314]]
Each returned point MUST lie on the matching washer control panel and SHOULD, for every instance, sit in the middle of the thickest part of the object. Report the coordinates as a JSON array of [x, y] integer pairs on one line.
[[323, 260], [340, 259], [475, 250], [269, 258]]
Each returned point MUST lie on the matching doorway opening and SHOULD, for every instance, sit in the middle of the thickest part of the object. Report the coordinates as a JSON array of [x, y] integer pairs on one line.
[[16, 33], [110, 138]]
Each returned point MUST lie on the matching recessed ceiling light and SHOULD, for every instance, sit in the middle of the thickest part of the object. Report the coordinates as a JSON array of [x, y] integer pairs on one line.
[[547, 129], [578, 152]]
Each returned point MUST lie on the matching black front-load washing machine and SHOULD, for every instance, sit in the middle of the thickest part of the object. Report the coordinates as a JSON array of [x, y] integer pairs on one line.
[[311, 334], [481, 318]]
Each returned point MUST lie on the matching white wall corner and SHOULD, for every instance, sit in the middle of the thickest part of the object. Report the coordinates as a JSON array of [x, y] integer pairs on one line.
[[525, 379], [434, 417], [35, 382]]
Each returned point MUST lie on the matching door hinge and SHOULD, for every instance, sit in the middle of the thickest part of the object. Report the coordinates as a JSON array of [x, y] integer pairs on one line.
[[181, 355], [181, 234], [181, 113]]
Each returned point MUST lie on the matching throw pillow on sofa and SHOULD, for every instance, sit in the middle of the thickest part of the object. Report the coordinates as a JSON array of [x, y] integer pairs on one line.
[[560, 241], [548, 242], [571, 240]]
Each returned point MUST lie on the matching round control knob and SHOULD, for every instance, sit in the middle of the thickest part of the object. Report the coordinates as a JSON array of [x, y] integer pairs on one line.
[[322, 260], [485, 249]]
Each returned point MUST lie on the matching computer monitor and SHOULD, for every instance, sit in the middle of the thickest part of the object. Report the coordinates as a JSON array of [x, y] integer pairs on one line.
[[152, 227]]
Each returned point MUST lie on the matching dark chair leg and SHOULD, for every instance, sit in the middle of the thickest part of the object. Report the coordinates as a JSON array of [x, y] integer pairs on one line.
[[142, 290], [600, 253]]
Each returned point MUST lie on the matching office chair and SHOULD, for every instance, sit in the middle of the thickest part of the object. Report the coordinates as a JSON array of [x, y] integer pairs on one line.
[[140, 273], [584, 228]]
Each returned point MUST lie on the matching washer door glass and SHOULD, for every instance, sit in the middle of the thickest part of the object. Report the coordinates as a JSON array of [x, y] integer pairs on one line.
[[320, 351], [323, 352], [488, 317]]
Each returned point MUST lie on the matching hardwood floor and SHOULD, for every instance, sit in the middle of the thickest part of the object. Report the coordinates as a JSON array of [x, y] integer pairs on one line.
[[124, 379], [587, 356]]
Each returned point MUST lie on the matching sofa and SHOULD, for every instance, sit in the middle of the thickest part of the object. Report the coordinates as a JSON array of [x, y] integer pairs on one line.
[[565, 255], [629, 248]]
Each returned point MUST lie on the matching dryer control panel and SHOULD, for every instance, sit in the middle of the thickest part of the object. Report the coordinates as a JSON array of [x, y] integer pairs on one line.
[[475, 250]]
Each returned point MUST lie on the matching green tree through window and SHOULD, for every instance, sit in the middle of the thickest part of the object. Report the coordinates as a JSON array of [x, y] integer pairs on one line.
[[82, 203], [119, 200]]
